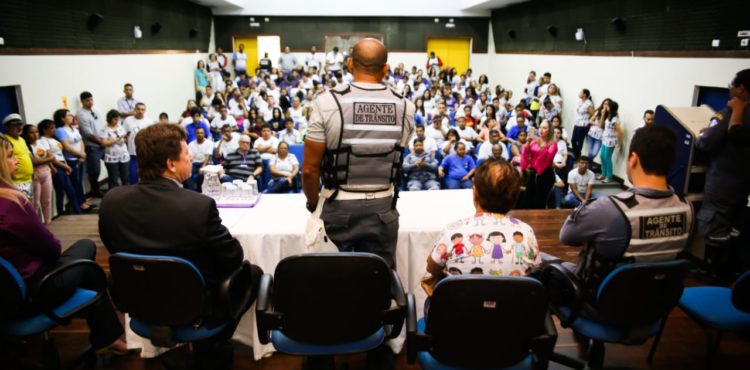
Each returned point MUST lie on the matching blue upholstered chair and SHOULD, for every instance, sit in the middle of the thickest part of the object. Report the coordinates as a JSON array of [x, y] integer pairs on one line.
[[24, 315], [718, 308], [321, 305], [482, 322], [630, 305], [168, 301]]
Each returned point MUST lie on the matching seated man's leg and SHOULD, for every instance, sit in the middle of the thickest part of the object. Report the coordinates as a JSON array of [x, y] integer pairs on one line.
[[571, 201], [466, 184], [452, 184], [414, 185], [277, 185], [432, 185]]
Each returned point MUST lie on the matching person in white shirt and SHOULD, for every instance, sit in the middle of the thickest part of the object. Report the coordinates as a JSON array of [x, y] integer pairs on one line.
[[581, 183], [296, 113], [284, 168], [201, 150], [561, 157], [314, 59], [229, 143], [289, 134], [220, 121], [437, 130], [239, 59], [116, 157], [266, 144], [465, 132], [132, 125], [429, 144], [485, 150], [334, 60], [126, 104]]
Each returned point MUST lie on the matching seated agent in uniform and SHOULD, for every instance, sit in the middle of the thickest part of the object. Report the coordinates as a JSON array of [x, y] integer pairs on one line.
[[157, 216], [646, 223]]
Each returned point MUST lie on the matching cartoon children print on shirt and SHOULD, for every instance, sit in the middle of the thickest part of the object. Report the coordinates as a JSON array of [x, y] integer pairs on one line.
[[496, 238], [458, 247], [476, 247], [518, 248], [442, 252]]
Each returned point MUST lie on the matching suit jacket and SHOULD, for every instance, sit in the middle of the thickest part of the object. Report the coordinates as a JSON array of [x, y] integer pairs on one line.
[[159, 217]]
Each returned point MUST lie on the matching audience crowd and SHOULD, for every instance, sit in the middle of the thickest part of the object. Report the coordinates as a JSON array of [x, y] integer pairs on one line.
[[461, 121]]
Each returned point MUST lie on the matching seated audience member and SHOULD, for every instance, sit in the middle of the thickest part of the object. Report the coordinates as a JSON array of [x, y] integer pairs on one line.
[[163, 117], [490, 242], [201, 150], [289, 135], [555, 198], [437, 130], [228, 144], [428, 144], [193, 122], [464, 131], [517, 147], [243, 162], [256, 130], [284, 168], [487, 147], [581, 182], [604, 226], [449, 146], [420, 168], [266, 144], [518, 128], [185, 224], [222, 119], [33, 251], [457, 168]]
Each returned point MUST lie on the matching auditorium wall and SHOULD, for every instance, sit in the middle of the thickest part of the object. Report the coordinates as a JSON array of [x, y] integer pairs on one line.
[[163, 81], [635, 83]]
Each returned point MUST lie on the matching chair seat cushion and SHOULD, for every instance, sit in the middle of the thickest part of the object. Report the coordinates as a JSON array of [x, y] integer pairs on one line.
[[180, 334], [430, 363], [607, 333], [38, 323], [713, 306], [287, 345]]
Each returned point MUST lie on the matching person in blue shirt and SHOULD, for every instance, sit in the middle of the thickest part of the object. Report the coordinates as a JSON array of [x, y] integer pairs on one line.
[[197, 121], [458, 169], [520, 126]]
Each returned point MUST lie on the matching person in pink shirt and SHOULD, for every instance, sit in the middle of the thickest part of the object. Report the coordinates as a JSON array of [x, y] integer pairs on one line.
[[536, 163]]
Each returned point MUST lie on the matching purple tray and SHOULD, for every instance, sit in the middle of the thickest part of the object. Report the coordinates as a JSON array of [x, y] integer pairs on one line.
[[251, 204]]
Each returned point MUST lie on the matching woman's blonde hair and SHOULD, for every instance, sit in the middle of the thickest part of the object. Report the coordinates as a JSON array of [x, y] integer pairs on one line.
[[10, 193]]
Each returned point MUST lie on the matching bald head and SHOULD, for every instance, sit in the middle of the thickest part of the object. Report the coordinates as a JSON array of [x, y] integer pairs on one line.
[[369, 56]]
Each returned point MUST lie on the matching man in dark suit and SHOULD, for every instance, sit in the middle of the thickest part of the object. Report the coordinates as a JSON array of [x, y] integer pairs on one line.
[[157, 216]]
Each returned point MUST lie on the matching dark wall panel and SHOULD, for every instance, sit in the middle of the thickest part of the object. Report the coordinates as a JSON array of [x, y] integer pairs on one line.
[[62, 24], [650, 25], [400, 33]]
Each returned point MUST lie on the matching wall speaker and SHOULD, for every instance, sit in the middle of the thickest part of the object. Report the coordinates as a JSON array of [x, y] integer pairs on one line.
[[552, 30], [618, 23], [512, 34], [95, 19], [155, 28], [193, 32]]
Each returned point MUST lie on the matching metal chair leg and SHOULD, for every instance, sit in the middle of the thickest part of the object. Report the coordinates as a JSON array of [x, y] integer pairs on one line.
[[656, 341], [596, 355]]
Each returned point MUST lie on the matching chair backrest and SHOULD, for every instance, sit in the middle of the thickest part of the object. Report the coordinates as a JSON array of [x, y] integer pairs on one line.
[[482, 321], [331, 298], [12, 289], [298, 150], [638, 294], [158, 290], [741, 292]]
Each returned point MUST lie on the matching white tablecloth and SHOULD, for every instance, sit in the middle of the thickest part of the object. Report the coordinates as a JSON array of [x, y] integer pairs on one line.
[[275, 228]]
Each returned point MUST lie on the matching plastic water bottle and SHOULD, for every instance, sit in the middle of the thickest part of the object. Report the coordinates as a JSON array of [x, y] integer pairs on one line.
[[253, 184]]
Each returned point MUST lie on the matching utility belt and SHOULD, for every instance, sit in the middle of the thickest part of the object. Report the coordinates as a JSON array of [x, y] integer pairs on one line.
[[356, 195]]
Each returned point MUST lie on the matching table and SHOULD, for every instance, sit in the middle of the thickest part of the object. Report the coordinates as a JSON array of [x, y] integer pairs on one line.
[[275, 229]]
